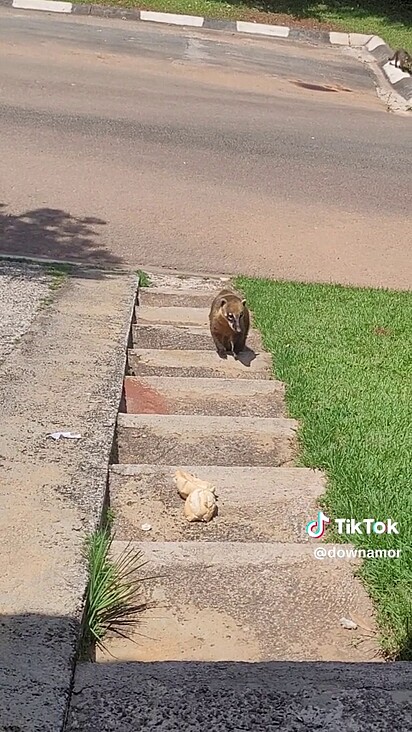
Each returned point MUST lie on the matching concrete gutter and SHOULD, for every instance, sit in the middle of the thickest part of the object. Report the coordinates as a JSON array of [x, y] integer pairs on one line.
[[65, 374], [374, 46]]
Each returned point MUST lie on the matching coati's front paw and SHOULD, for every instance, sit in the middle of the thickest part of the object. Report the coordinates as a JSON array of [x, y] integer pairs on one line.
[[222, 353], [238, 348]]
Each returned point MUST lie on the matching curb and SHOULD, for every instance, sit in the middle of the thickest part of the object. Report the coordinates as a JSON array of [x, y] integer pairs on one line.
[[399, 80], [376, 46], [81, 266]]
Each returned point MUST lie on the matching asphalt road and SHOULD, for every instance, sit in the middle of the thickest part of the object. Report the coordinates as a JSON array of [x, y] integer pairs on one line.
[[147, 145]]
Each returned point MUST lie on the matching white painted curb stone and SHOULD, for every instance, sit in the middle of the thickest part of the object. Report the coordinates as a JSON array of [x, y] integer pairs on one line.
[[51, 6], [172, 19], [280, 31]]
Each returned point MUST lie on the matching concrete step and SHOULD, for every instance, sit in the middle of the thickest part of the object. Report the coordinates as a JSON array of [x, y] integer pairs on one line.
[[182, 337], [175, 337], [171, 315], [187, 281], [220, 397], [169, 297], [255, 504], [205, 364], [243, 602], [169, 438], [224, 697]]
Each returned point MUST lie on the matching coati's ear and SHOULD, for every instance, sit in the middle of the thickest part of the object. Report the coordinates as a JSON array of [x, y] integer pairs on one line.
[[223, 302], [243, 303]]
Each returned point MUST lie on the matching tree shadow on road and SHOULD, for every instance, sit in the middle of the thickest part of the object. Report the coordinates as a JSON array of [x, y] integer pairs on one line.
[[391, 11], [54, 234]]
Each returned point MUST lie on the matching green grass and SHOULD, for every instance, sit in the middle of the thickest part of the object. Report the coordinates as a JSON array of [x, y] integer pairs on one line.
[[346, 357], [395, 26], [113, 602], [144, 279], [59, 274], [389, 19]]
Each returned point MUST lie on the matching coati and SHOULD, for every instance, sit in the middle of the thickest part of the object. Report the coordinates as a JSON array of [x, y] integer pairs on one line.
[[402, 60], [229, 323]]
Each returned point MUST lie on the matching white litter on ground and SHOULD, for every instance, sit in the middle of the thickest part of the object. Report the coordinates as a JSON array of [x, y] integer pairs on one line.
[[348, 624], [66, 435]]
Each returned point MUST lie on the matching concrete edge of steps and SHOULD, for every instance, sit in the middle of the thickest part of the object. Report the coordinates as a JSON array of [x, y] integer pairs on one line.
[[66, 373], [230, 553], [178, 423], [172, 297], [230, 475]]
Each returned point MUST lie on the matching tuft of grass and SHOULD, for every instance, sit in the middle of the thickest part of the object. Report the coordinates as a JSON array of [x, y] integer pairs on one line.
[[110, 517], [114, 594], [345, 355], [59, 274], [144, 279], [390, 19]]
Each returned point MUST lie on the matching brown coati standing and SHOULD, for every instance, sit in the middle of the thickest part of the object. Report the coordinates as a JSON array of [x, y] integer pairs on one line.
[[229, 322], [402, 60]]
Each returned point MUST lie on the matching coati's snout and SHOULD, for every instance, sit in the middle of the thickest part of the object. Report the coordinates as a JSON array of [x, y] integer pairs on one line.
[[234, 322], [233, 318]]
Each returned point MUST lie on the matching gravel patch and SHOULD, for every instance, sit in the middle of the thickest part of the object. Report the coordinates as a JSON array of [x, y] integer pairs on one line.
[[23, 287]]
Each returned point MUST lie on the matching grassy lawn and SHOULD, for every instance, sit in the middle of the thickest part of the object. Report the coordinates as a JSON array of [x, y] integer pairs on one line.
[[389, 19], [346, 357]]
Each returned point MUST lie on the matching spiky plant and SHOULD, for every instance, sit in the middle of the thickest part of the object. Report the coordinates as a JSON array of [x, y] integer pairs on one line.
[[114, 600]]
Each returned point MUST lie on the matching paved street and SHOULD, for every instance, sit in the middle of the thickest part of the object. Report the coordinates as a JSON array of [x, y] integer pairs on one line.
[[148, 145]]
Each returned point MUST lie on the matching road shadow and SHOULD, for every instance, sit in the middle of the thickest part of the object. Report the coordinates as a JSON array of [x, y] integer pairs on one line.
[[37, 661], [54, 234]]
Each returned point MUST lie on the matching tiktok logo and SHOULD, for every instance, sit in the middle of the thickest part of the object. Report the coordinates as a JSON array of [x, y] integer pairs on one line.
[[316, 529]]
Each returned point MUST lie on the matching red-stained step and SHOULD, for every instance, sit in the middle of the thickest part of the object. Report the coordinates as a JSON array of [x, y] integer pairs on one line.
[[192, 395], [142, 398]]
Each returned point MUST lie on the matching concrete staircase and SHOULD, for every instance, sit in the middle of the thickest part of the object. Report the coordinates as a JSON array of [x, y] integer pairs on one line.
[[246, 586], [246, 583]]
